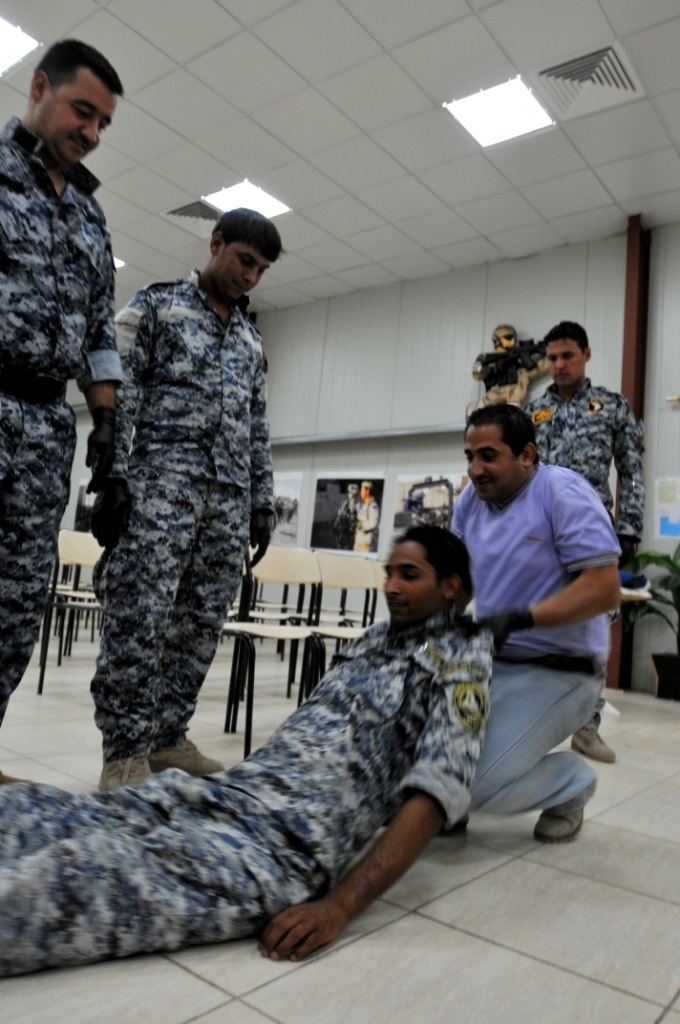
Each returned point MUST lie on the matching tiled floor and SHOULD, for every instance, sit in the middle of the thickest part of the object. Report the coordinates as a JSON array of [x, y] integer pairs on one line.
[[490, 927]]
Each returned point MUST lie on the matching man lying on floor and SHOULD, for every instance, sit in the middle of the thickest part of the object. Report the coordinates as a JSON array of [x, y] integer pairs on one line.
[[391, 736]]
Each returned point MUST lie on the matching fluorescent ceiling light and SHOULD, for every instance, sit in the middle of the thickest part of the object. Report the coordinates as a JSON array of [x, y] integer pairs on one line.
[[503, 112], [248, 195], [118, 263], [14, 45]]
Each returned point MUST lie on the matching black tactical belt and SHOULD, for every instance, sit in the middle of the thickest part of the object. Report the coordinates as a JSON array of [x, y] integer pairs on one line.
[[30, 387]]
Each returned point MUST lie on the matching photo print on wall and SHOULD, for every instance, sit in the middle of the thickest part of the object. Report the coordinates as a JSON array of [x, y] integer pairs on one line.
[[347, 512], [287, 489], [428, 498]]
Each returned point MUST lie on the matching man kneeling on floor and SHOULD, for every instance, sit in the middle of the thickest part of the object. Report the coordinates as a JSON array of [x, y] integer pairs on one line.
[[391, 736]]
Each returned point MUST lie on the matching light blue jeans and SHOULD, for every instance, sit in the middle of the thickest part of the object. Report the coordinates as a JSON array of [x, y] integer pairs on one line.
[[533, 709]]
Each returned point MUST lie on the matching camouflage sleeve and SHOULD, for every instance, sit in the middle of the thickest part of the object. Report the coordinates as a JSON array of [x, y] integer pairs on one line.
[[628, 449], [135, 328], [262, 486], [450, 744], [100, 357]]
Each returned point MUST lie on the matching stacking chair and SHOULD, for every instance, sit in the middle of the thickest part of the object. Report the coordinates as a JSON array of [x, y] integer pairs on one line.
[[284, 566], [68, 599]]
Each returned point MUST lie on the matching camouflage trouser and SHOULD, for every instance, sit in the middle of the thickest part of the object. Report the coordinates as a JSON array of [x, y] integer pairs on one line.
[[175, 862], [166, 587], [36, 453]]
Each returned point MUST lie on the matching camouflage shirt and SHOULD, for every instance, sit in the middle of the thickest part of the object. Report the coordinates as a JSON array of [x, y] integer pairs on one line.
[[56, 269], [194, 390], [397, 711], [585, 434]]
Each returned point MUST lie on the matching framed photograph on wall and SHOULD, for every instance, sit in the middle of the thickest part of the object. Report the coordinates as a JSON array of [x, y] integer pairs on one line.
[[83, 517], [428, 498], [287, 489], [347, 512]]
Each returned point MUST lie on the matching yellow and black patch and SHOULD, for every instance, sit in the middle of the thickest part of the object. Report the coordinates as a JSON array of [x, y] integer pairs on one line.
[[595, 405], [472, 706], [542, 415]]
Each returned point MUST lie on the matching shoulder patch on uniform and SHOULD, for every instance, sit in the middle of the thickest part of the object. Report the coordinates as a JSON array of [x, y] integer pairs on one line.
[[472, 706], [595, 405], [541, 415]]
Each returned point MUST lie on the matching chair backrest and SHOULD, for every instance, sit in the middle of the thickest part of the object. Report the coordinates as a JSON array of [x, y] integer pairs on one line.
[[287, 565], [78, 548], [349, 573]]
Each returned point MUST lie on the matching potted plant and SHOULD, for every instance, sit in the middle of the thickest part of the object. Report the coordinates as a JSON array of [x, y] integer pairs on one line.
[[665, 601]]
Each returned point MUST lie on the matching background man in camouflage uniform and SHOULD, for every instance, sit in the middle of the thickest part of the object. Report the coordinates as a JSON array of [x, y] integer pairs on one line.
[[182, 503], [56, 323], [345, 523], [391, 737], [584, 428]]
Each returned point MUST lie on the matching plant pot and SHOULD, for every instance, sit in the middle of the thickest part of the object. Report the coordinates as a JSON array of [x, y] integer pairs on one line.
[[667, 668]]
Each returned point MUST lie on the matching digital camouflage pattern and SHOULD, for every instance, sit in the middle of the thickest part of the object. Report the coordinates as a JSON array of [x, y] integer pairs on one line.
[[198, 461], [56, 320], [182, 860], [585, 434]]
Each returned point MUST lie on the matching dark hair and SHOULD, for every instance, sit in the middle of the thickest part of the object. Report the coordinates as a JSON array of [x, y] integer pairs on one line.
[[445, 552], [251, 227], [61, 62], [516, 428], [567, 330]]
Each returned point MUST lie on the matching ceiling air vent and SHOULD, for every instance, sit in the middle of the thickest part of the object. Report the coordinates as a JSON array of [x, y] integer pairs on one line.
[[198, 217], [591, 82]]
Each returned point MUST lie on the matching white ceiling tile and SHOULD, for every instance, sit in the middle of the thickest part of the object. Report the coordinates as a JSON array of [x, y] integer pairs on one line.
[[420, 264], [48, 22], [326, 287], [536, 35], [383, 243], [343, 215], [499, 213], [463, 180], [331, 256], [129, 280], [107, 161], [527, 240], [193, 170], [399, 199], [332, 39], [147, 189], [246, 148], [466, 254], [368, 276], [394, 22], [433, 230], [376, 94], [246, 73], [183, 103], [628, 16], [278, 297], [163, 235], [306, 122], [135, 59], [654, 54], [184, 30], [644, 175], [617, 133], [582, 227], [299, 233], [668, 107], [357, 163], [455, 61], [542, 155], [426, 140], [250, 12], [656, 210], [139, 135], [118, 210], [12, 102], [288, 269], [567, 194], [298, 185]]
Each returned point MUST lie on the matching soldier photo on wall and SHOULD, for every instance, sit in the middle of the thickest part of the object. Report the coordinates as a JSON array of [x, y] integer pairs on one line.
[[287, 488], [347, 513], [427, 499]]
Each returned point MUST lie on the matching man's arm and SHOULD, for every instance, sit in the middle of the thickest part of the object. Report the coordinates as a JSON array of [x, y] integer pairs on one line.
[[299, 930], [102, 394], [628, 449], [593, 592]]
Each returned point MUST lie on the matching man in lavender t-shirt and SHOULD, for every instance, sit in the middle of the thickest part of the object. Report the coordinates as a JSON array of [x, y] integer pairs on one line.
[[544, 566]]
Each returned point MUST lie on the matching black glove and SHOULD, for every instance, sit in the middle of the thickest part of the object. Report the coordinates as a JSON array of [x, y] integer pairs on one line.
[[503, 625], [260, 533], [629, 546], [101, 446], [111, 511]]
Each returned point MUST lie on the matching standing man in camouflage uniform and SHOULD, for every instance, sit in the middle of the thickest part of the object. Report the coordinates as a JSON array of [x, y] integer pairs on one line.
[[345, 523], [183, 501], [584, 428], [56, 317]]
